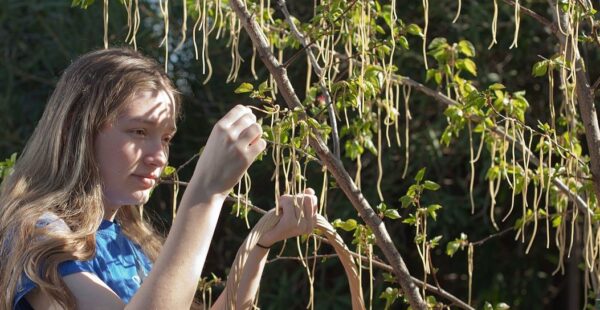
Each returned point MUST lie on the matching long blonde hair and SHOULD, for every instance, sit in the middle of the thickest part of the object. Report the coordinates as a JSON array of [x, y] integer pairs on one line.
[[57, 173]]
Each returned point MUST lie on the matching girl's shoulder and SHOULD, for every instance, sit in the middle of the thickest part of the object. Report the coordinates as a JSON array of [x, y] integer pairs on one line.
[[52, 222]]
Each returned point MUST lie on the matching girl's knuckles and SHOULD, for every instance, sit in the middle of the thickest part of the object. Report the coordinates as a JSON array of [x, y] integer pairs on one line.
[[220, 127], [229, 137]]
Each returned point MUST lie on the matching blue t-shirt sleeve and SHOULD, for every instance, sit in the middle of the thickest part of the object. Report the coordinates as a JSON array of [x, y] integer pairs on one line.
[[24, 286], [64, 269], [73, 266]]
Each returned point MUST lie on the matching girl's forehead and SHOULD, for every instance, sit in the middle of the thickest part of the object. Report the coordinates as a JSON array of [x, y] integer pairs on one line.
[[150, 106]]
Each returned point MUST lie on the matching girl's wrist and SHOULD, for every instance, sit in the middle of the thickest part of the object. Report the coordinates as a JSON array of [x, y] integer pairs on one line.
[[266, 241], [259, 245], [208, 193]]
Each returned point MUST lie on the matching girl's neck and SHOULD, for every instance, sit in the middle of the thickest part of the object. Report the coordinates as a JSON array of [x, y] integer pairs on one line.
[[110, 212]]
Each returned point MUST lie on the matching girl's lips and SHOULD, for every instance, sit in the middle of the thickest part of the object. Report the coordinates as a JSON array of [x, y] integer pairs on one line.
[[145, 181]]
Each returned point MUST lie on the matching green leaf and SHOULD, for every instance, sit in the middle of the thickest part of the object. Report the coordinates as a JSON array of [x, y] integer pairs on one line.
[[556, 221], [244, 88], [437, 43], [414, 29], [263, 87], [313, 123], [435, 241], [430, 185], [353, 149], [501, 306], [431, 210], [406, 201], [420, 175], [441, 54], [390, 295], [496, 86], [403, 42], [540, 68], [430, 74], [414, 190], [411, 220], [431, 302], [392, 214], [467, 65], [381, 207], [84, 4], [466, 48], [168, 171], [239, 209], [452, 247], [370, 146], [493, 173], [488, 306], [388, 277], [348, 225], [438, 77]]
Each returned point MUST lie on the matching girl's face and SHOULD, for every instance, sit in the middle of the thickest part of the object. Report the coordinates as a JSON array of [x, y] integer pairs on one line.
[[133, 150]]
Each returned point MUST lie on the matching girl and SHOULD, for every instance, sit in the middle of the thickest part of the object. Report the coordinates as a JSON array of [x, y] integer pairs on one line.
[[71, 233]]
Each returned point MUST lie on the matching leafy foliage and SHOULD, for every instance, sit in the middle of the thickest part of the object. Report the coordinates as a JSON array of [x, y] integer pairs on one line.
[[501, 110]]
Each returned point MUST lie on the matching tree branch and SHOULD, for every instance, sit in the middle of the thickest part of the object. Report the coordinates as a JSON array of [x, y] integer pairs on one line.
[[542, 20], [585, 99], [333, 164], [439, 97]]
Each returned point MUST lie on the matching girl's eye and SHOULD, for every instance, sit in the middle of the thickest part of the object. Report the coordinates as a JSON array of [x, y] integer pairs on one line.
[[139, 132]]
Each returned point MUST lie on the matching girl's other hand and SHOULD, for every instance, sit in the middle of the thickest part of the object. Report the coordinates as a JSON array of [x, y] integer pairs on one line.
[[232, 146], [298, 217]]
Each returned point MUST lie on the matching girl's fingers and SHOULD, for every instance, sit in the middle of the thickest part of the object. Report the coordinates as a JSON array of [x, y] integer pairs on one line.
[[250, 134], [309, 191], [310, 209], [233, 115], [313, 198], [257, 147], [241, 124], [302, 205]]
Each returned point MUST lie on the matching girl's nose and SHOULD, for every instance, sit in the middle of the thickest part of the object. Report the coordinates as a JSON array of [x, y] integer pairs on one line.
[[156, 154]]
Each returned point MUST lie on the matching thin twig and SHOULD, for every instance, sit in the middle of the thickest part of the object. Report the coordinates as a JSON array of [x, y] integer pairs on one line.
[[187, 162], [596, 84], [542, 20], [492, 236]]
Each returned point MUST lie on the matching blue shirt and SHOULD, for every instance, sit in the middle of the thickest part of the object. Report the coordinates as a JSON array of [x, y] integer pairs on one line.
[[118, 262]]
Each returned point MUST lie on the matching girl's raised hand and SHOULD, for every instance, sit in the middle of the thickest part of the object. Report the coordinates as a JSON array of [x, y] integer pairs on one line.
[[232, 146], [298, 217]]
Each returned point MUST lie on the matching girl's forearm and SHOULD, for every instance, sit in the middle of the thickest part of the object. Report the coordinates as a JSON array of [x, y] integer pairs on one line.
[[175, 274], [249, 282]]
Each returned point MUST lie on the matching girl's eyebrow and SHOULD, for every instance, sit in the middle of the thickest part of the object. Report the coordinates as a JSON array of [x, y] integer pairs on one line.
[[146, 121]]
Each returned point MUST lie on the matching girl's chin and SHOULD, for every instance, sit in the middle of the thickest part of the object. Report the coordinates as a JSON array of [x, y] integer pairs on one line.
[[138, 198]]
